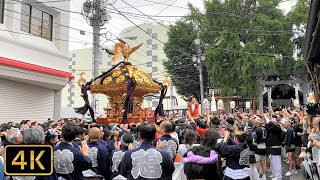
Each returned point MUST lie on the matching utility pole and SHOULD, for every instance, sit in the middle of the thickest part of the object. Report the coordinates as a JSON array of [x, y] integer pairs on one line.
[[95, 12], [199, 59]]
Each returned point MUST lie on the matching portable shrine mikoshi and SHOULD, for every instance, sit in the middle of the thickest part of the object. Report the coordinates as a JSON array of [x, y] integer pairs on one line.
[[125, 86]]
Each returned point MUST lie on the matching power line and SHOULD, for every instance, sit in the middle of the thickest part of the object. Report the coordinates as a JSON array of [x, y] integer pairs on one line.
[[231, 13], [155, 3], [148, 33], [254, 53], [180, 67], [253, 34], [163, 3], [156, 14]]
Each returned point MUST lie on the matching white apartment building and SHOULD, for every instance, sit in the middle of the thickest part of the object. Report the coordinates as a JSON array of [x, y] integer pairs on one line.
[[148, 58], [34, 59]]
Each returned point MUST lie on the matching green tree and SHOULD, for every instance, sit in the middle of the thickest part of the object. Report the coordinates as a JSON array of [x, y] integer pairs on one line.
[[184, 75], [243, 38]]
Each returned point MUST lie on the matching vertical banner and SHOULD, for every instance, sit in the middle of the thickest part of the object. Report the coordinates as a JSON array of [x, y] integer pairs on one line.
[[213, 103]]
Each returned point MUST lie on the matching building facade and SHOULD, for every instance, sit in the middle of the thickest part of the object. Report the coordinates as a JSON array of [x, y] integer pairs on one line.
[[34, 58], [149, 58]]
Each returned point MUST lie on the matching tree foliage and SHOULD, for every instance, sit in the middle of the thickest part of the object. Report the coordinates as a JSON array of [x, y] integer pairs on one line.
[[243, 38], [184, 75]]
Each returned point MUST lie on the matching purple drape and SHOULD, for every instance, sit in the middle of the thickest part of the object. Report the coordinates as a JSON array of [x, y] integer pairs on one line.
[[128, 103], [83, 110], [84, 90], [159, 110]]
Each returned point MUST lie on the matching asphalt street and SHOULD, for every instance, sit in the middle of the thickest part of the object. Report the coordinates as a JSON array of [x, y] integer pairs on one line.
[[299, 176]]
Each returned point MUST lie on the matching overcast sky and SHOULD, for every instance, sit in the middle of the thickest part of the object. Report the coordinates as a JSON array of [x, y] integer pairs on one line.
[[118, 22]]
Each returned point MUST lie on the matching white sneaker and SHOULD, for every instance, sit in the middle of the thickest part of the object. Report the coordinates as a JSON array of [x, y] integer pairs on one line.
[[289, 173], [271, 176], [295, 172], [287, 162], [264, 177]]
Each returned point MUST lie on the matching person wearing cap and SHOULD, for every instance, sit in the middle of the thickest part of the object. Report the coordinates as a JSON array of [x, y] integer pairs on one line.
[[126, 144], [98, 154], [14, 136], [251, 141], [236, 152], [51, 137], [274, 144], [261, 150]]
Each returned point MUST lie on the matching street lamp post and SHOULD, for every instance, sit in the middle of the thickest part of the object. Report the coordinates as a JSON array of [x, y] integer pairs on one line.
[[198, 60], [96, 14]]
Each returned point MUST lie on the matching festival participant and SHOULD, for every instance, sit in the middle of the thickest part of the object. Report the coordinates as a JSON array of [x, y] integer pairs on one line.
[[314, 139], [34, 136], [202, 162], [193, 106], [261, 150], [166, 142], [236, 152], [14, 136], [25, 124], [146, 162], [230, 126], [98, 154], [251, 141], [190, 140], [126, 144], [81, 133], [298, 130], [290, 146], [51, 137], [69, 162], [215, 123], [35, 124], [274, 142]]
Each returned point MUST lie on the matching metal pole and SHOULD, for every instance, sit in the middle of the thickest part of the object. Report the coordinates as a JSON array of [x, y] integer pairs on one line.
[[199, 60], [96, 49], [96, 60]]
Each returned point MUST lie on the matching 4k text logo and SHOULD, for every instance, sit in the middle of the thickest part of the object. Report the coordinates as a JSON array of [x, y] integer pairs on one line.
[[28, 160]]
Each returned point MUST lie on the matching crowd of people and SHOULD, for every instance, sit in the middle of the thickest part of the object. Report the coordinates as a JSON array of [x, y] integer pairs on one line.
[[225, 146]]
